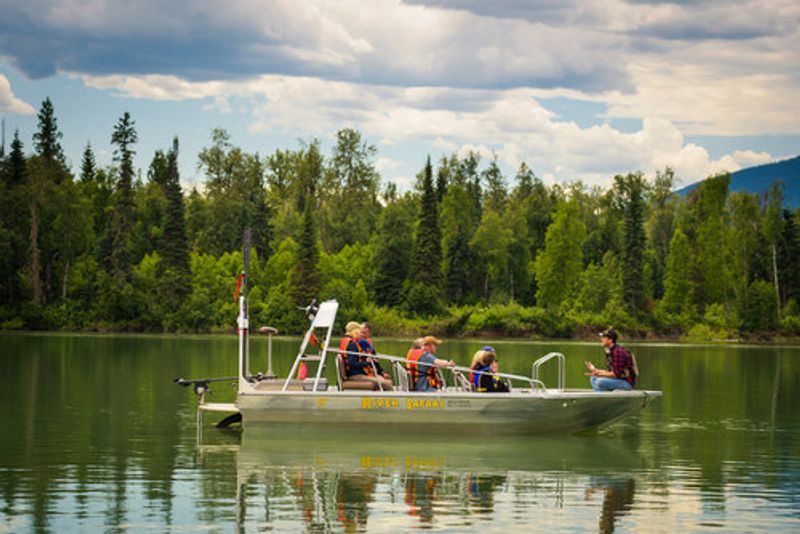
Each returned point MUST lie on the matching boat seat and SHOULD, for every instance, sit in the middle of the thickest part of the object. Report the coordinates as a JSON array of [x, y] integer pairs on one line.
[[352, 384]]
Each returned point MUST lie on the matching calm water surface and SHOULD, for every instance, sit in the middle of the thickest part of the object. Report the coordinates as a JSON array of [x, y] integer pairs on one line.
[[95, 438]]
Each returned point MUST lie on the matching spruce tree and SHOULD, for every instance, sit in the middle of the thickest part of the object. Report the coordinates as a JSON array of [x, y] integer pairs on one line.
[[305, 280], [122, 218], [393, 245], [14, 165], [423, 290], [47, 140], [427, 260], [678, 285], [789, 259], [631, 189], [174, 245], [88, 164], [13, 222]]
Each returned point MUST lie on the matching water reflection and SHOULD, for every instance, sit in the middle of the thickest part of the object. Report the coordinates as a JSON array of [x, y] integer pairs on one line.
[[94, 438], [354, 481]]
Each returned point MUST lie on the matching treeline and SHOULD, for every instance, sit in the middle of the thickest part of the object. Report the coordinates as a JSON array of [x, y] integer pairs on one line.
[[467, 251]]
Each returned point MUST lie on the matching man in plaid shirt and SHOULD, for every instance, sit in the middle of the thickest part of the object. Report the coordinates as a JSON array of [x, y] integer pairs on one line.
[[620, 370]]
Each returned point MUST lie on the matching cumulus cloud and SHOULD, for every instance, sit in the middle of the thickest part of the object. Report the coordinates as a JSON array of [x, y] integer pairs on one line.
[[381, 42], [509, 123], [10, 103]]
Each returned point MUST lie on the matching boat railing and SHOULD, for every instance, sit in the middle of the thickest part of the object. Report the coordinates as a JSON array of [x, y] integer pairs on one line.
[[536, 385], [544, 359]]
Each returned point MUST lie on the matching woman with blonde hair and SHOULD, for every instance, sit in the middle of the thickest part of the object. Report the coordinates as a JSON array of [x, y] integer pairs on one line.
[[357, 364]]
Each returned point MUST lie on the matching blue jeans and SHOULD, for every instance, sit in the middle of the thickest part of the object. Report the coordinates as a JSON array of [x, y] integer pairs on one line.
[[609, 384]]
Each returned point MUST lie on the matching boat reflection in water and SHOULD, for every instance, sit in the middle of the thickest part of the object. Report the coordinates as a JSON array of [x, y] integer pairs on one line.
[[295, 477]]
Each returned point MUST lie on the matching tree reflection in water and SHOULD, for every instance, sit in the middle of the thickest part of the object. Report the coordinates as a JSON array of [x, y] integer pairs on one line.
[[618, 495]]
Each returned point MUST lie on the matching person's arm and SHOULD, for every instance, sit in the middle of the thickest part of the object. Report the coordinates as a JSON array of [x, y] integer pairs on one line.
[[594, 371], [443, 363]]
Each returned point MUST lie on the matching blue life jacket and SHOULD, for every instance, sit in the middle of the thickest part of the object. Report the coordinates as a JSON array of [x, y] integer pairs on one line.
[[477, 374]]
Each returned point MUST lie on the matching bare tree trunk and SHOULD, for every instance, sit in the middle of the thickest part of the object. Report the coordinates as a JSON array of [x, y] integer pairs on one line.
[[775, 277], [34, 255]]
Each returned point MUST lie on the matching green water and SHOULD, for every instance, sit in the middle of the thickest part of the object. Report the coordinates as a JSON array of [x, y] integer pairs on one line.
[[94, 437]]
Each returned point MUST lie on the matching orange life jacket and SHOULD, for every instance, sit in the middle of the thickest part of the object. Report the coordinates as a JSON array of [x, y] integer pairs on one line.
[[413, 356], [345, 341]]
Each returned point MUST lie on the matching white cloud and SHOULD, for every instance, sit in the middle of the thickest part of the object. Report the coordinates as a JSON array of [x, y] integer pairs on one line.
[[510, 123], [10, 103]]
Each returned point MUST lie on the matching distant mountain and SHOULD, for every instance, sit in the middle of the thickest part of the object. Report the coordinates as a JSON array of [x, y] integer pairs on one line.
[[758, 179]]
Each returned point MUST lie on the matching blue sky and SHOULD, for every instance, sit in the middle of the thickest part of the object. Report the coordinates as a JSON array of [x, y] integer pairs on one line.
[[577, 89]]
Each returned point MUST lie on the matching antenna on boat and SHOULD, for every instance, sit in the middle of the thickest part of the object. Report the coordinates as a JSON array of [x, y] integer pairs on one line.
[[242, 321]]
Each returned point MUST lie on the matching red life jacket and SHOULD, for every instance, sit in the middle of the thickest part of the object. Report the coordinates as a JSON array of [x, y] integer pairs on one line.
[[413, 356]]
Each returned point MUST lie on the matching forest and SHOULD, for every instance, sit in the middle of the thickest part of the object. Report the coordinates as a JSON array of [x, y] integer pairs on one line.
[[468, 251]]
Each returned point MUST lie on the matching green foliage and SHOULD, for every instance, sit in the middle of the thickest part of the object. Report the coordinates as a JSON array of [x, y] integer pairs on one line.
[[461, 255], [47, 139], [631, 190], [761, 311], [423, 292], [559, 265], [678, 284], [392, 245]]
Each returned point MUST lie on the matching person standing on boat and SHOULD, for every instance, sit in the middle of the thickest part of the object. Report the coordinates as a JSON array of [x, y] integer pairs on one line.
[[424, 364], [357, 365], [368, 347], [620, 370]]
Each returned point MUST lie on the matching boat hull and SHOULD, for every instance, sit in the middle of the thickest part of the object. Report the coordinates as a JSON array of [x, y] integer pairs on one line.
[[518, 412]]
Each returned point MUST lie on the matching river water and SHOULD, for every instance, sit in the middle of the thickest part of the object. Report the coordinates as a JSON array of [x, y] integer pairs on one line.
[[94, 437]]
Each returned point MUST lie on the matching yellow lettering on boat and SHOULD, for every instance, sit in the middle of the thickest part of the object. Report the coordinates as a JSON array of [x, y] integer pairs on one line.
[[423, 462], [424, 404], [378, 461], [321, 402], [378, 404]]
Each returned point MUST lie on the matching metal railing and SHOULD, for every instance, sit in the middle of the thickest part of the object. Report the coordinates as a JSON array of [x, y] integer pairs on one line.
[[544, 359], [536, 385]]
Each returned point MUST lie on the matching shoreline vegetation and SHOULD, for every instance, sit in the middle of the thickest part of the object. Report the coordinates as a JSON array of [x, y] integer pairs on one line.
[[467, 251]]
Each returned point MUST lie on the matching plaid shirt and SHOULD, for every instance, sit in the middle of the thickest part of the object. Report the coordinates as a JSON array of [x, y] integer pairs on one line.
[[620, 362]]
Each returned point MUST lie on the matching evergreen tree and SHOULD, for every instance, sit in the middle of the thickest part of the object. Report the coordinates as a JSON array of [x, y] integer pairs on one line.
[[124, 136], [88, 164], [427, 259], [678, 285], [631, 189], [442, 176], [424, 286], [13, 222], [174, 249], [496, 193], [393, 244], [14, 165], [789, 259], [47, 140], [305, 281], [660, 226], [559, 265], [457, 276]]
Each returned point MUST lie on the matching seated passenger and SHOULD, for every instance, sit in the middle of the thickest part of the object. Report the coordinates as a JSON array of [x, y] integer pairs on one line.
[[423, 364], [485, 377], [365, 340], [357, 365], [477, 361]]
